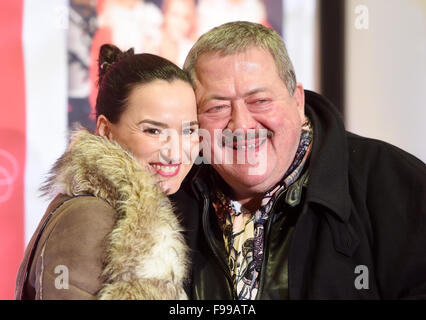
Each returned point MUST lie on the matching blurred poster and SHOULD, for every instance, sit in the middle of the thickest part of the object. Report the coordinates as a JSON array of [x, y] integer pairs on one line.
[[81, 30], [165, 27]]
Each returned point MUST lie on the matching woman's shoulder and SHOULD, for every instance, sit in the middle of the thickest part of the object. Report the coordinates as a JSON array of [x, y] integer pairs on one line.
[[83, 220], [73, 233], [87, 213], [78, 241], [85, 210]]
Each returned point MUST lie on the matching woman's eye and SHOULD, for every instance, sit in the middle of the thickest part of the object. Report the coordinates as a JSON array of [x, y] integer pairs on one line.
[[152, 131], [188, 131]]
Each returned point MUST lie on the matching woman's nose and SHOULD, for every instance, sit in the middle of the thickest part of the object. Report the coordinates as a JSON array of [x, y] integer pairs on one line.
[[170, 150]]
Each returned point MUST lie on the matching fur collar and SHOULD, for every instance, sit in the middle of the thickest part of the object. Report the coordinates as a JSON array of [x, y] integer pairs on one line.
[[146, 257]]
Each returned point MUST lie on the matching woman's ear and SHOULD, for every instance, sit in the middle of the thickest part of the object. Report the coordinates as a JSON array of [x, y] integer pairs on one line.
[[103, 127]]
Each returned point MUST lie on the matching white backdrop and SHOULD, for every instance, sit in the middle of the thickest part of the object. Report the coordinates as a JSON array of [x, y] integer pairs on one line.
[[386, 72]]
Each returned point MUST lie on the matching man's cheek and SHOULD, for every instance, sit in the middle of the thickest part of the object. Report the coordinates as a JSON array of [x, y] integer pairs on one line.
[[207, 122]]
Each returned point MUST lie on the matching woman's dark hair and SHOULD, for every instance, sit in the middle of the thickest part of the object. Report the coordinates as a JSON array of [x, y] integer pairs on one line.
[[120, 72]]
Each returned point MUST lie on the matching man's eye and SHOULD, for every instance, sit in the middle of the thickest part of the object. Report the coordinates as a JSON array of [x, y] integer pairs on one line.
[[216, 109], [259, 101], [152, 131], [259, 104]]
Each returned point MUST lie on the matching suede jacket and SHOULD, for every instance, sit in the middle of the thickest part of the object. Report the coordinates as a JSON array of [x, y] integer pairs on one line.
[[358, 233], [109, 234]]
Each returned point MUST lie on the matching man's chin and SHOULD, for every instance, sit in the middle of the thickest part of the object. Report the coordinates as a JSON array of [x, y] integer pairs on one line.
[[251, 178]]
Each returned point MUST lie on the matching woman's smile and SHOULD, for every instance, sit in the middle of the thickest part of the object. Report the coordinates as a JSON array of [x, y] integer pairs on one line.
[[166, 170]]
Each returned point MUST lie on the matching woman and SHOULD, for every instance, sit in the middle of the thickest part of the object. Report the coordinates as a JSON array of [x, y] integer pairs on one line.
[[111, 232]]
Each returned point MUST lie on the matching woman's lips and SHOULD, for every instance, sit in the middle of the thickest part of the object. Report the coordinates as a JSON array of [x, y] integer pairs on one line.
[[166, 170]]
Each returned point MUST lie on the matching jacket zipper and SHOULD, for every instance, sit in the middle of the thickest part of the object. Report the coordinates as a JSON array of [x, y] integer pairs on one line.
[[265, 244], [214, 248]]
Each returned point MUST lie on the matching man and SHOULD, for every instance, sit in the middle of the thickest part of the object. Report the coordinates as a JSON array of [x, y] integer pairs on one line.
[[329, 215]]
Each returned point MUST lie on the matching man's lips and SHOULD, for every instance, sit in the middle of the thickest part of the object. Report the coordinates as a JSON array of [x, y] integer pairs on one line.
[[250, 141], [246, 144], [166, 170]]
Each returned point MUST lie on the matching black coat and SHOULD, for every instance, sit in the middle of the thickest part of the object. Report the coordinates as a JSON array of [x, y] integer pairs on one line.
[[360, 232]]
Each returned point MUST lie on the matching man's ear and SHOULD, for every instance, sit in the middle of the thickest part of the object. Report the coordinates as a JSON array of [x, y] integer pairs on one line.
[[299, 96], [104, 127]]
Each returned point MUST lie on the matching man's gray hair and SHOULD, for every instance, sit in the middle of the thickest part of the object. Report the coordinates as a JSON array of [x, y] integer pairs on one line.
[[236, 37]]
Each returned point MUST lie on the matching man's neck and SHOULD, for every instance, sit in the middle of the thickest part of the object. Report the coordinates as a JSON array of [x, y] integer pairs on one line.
[[249, 202]]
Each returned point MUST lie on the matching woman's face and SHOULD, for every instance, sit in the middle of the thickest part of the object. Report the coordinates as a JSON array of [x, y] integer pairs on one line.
[[159, 127]]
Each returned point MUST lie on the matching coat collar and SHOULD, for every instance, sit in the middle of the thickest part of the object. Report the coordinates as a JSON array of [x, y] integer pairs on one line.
[[328, 171]]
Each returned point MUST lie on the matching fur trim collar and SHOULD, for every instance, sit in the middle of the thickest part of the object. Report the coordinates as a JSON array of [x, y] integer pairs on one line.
[[146, 253]]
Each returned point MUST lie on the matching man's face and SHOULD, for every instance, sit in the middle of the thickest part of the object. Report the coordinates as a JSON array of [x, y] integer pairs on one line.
[[240, 92]]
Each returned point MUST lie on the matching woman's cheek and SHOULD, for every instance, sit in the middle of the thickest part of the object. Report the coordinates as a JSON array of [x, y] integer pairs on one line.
[[194, 150], [146, 150]]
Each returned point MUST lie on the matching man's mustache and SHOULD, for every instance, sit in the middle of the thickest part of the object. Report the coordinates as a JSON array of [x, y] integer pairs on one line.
[[240, 136]]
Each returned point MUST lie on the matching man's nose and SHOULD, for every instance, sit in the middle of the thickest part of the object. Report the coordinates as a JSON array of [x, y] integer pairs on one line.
[[241, 118]]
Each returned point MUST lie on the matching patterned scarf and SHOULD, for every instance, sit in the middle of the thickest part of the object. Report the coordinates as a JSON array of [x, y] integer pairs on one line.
[[243, 230]]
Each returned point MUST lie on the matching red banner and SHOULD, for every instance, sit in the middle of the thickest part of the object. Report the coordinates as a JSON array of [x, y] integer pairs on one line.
[[12, 144]]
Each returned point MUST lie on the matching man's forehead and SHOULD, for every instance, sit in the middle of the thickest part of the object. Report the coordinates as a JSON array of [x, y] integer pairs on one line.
[[250, 59], [214, 72]]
